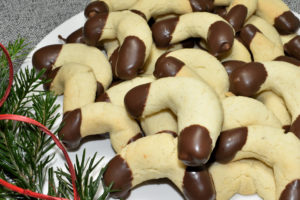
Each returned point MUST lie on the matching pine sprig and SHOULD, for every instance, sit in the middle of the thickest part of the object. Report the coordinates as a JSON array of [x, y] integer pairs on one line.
[[25, 152], [86, 183], [17, 50], [24, 149]]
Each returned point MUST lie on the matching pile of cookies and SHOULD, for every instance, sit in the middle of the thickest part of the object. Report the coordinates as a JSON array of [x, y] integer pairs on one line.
[[205, 93]]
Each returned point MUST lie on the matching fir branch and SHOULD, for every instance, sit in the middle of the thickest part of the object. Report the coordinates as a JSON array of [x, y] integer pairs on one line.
[[86, 184], [17, 50], [25, 151]]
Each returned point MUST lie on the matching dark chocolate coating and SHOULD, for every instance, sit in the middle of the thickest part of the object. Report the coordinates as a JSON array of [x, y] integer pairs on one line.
[[232, 65], [135, 138], [220, 38], [140, 14], [188, 43], [131, 57], [162, 31], [103, 98], [70, 131], [94, 8], [286, 128], [113, 61], [295, 127], [135, 100], [237, 16], [288, 59], [291, 191], [221, 11], [194, 145], [167, 66], [50, 75], [118, 173], [46, 56], [292, 48], [229, 143], [100, 89], [76, 37], [247, 80], [198, 184], [93, 28], [287, 23], [202, 5], [247, 34]]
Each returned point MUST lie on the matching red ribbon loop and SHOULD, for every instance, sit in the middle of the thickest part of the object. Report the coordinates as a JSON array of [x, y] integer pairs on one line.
[[45, 130]]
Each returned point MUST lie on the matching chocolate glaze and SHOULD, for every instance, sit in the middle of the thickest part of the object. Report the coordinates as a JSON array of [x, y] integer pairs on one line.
[[131, 58], [46, 56], [139, 13], [162, 31], [93, 28], [247, 80], [113, 61], [95, 7], [135, 138], [232, 65], [50, 75], [295, 128], [76, 37], [118, 173], [287, 23], [198, 184], [229, 143], [167, 66], [202, 5], [291, 191], [292, 48], [194, 145], [135, 100], [169, 132], [115, 82], [247, 34], [100, 89], [70, 131], [286, 128], [188, 43], [103, 98], [219, 38], [237, 16], [288, 59], [221, 11]]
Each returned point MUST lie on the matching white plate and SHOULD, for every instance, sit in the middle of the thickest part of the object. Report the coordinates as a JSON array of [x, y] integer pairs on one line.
[[157, 191]]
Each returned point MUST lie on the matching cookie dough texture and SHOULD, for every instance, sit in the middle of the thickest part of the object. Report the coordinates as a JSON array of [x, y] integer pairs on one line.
[[239, 11], [277, 13], [280, 77], [245, 177], [214, 29], [72, 80], [155, 157], [237, 52], [275, 104], [270, 145], [97, 118], [55, 56], [260, 46], [194, 63], [135, 41], [243, 111], [266, 29], [204, 121]]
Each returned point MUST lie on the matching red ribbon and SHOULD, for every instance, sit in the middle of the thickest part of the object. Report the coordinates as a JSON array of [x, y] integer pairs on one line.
[[45, 130]]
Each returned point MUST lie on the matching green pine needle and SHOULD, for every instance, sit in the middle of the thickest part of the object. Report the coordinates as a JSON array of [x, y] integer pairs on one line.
[[25, 157], [86, 184]]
